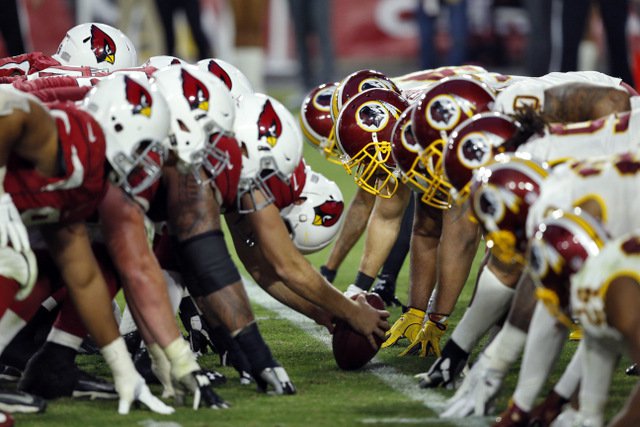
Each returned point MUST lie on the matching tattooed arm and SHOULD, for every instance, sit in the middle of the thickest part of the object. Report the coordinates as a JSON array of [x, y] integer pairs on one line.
[[577, 102]]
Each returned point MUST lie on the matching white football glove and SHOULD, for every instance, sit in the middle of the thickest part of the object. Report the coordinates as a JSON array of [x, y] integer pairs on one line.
[[477, 391], [17, 260], [161, 368], [128, 382], [188, 377], [572, 418]]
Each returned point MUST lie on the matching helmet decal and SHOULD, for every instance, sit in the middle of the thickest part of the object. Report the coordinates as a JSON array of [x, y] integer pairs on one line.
[[103, 46], [373, 83], [328, 213], [408, 140], [322, 99], [631, 246], [138, 96], [372, 116], [443, 112], [474, 150], [269, 124], [194, 91], [215, 69]]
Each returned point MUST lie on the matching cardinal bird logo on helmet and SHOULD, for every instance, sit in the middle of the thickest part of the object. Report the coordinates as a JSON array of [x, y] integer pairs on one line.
[[195, 92], [138, 96], [269, 124], [215, 69], [328, 213], [103, 46]]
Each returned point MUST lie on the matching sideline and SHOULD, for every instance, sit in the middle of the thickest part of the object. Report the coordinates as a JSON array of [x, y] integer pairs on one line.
[[395, 379]]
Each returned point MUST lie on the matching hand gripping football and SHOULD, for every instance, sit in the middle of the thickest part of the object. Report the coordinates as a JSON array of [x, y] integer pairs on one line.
[[350, 348]]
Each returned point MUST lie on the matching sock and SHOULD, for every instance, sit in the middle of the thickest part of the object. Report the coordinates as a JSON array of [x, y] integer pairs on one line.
[[254, 347], [544, 343], [127, 324], [328, 274], [223, 342], [568, 382], [505, 348], [490, 302], [64, 339], [10, 325], [363, 281]]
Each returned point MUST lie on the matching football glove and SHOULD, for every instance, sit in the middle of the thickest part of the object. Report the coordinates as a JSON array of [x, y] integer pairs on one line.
[[128, 382], [572, 418], [428, 339], [274, 380], [547, 410], [161, 368], [513, 416], [407, 326], [12, 231]]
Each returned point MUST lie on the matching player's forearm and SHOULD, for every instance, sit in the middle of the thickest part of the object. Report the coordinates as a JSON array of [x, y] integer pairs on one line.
[[355, 223]]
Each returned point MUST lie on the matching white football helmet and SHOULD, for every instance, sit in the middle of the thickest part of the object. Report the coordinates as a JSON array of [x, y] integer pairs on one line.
[[202, 111], [237, 83], [271, 142], [135, 120], [96, 45], [316, 217], [161, 61]]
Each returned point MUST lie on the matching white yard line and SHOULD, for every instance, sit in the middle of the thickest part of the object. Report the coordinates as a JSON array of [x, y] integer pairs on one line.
[[395, 379]]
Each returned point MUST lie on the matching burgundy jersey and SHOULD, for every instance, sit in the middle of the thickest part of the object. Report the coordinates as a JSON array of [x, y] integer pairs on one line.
[[25, 64], [74, 195]]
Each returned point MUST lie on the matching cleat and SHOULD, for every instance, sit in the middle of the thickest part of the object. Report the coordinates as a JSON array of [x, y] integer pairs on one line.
[[632, 370], [52, 373], [19, 402], [386, 290], [245, 378], [274, 380], [575, 335], [9, 374]]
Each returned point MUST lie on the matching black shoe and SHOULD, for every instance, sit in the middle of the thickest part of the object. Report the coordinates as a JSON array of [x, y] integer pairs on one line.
[[132, 341], [142, 362], [9, 374], [386, 289], [632, 370], [89, 346], [52, 373], [19, 402]]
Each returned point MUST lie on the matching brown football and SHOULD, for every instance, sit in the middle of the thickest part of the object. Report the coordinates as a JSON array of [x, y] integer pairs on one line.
[[350, 348]]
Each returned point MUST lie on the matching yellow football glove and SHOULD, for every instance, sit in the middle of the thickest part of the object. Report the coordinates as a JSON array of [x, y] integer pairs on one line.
[[428, 339], [407, 326]]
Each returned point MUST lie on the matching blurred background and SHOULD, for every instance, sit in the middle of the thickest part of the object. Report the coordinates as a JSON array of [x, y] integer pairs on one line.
[[289, 46]]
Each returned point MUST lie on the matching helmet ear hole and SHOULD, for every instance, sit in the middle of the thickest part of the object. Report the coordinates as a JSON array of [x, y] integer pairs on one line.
[[118, 127]]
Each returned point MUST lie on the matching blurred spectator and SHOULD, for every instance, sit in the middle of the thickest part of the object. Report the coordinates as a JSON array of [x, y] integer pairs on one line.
[[427, 15], [191, 8], [539, 38], [139, 20], [313, 18], [250, 21], [10, 28], [614, 15]]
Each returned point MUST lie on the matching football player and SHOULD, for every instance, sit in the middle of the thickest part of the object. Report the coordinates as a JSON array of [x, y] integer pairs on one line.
[[60, 197]]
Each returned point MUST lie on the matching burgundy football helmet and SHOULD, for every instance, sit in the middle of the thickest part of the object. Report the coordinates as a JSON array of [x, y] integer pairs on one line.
[[501, 194], [473, 144], [558, 249], [363, 134], [317, 123], [407, 155], [355, 83], [440, 109]]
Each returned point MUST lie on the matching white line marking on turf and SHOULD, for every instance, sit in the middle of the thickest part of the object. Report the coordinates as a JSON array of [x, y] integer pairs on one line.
[[389, 375]]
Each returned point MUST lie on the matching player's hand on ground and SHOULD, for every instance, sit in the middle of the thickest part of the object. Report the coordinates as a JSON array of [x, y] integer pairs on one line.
[[132, 388], [428, 340], [513, 416], [407, 326], [197, 383], [545, 412], [274, 380]]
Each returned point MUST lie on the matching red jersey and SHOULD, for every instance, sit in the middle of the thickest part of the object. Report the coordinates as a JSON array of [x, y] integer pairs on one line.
[[25, 64], [75, 195]]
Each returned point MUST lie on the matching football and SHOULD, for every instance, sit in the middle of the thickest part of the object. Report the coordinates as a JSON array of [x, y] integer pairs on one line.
[[350, 348]]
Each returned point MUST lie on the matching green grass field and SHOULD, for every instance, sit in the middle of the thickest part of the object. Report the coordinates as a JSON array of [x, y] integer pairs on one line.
[[384, 393]]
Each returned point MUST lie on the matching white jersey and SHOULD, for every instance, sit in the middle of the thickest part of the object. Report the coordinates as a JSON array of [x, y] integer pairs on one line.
[[608, 135], [530, 91], [589, 286], [413, 85], [611, 182]]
